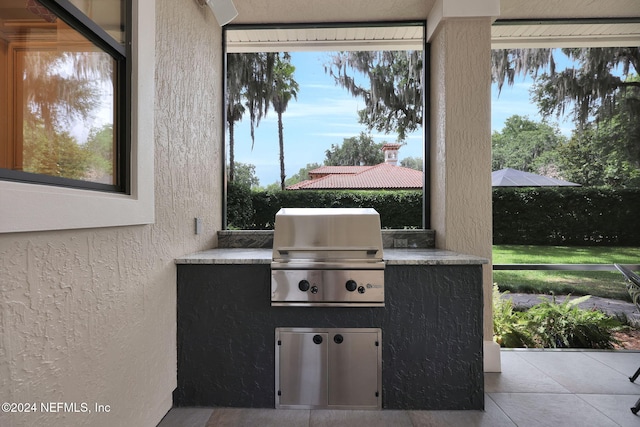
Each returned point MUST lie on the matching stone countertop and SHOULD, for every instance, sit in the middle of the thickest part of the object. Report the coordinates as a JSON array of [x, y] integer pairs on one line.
[[391, 257]]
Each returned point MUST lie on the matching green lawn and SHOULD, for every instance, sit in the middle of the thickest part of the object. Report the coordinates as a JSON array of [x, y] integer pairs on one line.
[[525, 254], [610, 284]]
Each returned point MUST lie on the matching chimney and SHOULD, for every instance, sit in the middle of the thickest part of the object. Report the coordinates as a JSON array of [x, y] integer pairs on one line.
[[391, 153]]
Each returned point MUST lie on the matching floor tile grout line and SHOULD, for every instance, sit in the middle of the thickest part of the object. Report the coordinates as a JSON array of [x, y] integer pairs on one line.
[[492, 394], [552, 393], [604, 365], [577, 395], [545, 374], [598, 410], [627, 375], [582, 352], [501, 409]]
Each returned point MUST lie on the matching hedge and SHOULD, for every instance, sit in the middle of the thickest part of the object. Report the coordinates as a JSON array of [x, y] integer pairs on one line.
[[397, 209], [566, 216], [526, 216]]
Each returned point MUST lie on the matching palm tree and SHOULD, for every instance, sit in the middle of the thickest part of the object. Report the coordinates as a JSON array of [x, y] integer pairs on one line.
[[235, 109], [284, 88], [249, 78]]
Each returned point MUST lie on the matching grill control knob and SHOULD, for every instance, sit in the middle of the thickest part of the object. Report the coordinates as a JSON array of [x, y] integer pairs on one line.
[[361, 289], [351, 285], [314, 289], [303, 285]]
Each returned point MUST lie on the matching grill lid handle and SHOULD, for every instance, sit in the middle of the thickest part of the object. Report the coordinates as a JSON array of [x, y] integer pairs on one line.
[[370, 250]]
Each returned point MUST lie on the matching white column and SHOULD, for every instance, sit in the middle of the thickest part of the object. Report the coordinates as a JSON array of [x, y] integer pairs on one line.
[[461, 143]]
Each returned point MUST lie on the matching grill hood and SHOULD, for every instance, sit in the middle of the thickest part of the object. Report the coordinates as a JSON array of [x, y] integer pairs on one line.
[[327, 235]]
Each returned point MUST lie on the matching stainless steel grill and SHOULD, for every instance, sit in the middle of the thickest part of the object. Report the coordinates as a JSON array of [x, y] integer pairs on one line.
[[327, 257]]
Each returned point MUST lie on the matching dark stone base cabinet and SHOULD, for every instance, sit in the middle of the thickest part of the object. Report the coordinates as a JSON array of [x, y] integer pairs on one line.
[[431, 335]]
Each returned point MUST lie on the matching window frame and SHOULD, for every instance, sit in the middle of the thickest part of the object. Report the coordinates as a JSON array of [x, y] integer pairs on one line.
[[426, 97], [29, 206], [89, 29]]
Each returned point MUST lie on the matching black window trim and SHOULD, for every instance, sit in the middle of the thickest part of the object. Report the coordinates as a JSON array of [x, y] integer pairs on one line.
[[76, 19], [426, 96]]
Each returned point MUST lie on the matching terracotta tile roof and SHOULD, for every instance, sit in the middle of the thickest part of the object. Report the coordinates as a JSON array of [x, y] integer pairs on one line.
[[382, 176], [335, 170], [327, 170], [391, 146]]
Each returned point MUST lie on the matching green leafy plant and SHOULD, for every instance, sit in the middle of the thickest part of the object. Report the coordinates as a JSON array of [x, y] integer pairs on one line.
[[510, 329], [552, 325], [566, 325]]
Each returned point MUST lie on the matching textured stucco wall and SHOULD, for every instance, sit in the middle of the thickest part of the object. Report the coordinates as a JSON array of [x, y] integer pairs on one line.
[[461, 142], [89, 315]]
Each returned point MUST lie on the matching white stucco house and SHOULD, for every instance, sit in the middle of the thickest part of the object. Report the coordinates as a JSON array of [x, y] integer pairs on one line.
[[88, 280]]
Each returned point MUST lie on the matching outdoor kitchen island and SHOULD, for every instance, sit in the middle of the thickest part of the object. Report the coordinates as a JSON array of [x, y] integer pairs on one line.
[[431, 327]]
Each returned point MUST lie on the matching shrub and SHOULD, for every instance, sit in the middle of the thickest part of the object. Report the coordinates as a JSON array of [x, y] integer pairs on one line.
[[552, 325], [509, 328], [397, 209], [565, 325], [565, 216], [240, 212]]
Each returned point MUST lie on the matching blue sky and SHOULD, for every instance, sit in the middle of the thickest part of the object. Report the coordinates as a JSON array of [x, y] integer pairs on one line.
[[326, 114]]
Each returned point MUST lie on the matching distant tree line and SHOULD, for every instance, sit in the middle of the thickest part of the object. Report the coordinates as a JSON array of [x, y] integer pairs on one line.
[[601, 94], [594, 156], [359, 150], [392, 96]]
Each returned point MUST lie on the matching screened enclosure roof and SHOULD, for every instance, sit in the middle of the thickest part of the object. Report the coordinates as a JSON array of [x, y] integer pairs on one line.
[[550, 33], [505, 33], [514, 178], [315, 37]]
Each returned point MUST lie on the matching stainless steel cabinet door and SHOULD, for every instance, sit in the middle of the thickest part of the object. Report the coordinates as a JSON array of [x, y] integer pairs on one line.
[[302, 363], [354, 369], [329, 368]]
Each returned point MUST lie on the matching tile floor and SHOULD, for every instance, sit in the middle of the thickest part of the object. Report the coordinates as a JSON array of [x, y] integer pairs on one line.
[[536, 388]]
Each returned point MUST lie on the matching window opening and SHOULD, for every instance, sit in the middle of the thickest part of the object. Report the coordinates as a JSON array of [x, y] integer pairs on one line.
[[325, 121]]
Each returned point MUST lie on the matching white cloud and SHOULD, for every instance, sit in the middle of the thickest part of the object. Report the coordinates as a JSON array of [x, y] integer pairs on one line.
[[512, 107], [320, 86], [337, 134], [324, 107], [258, 161]]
